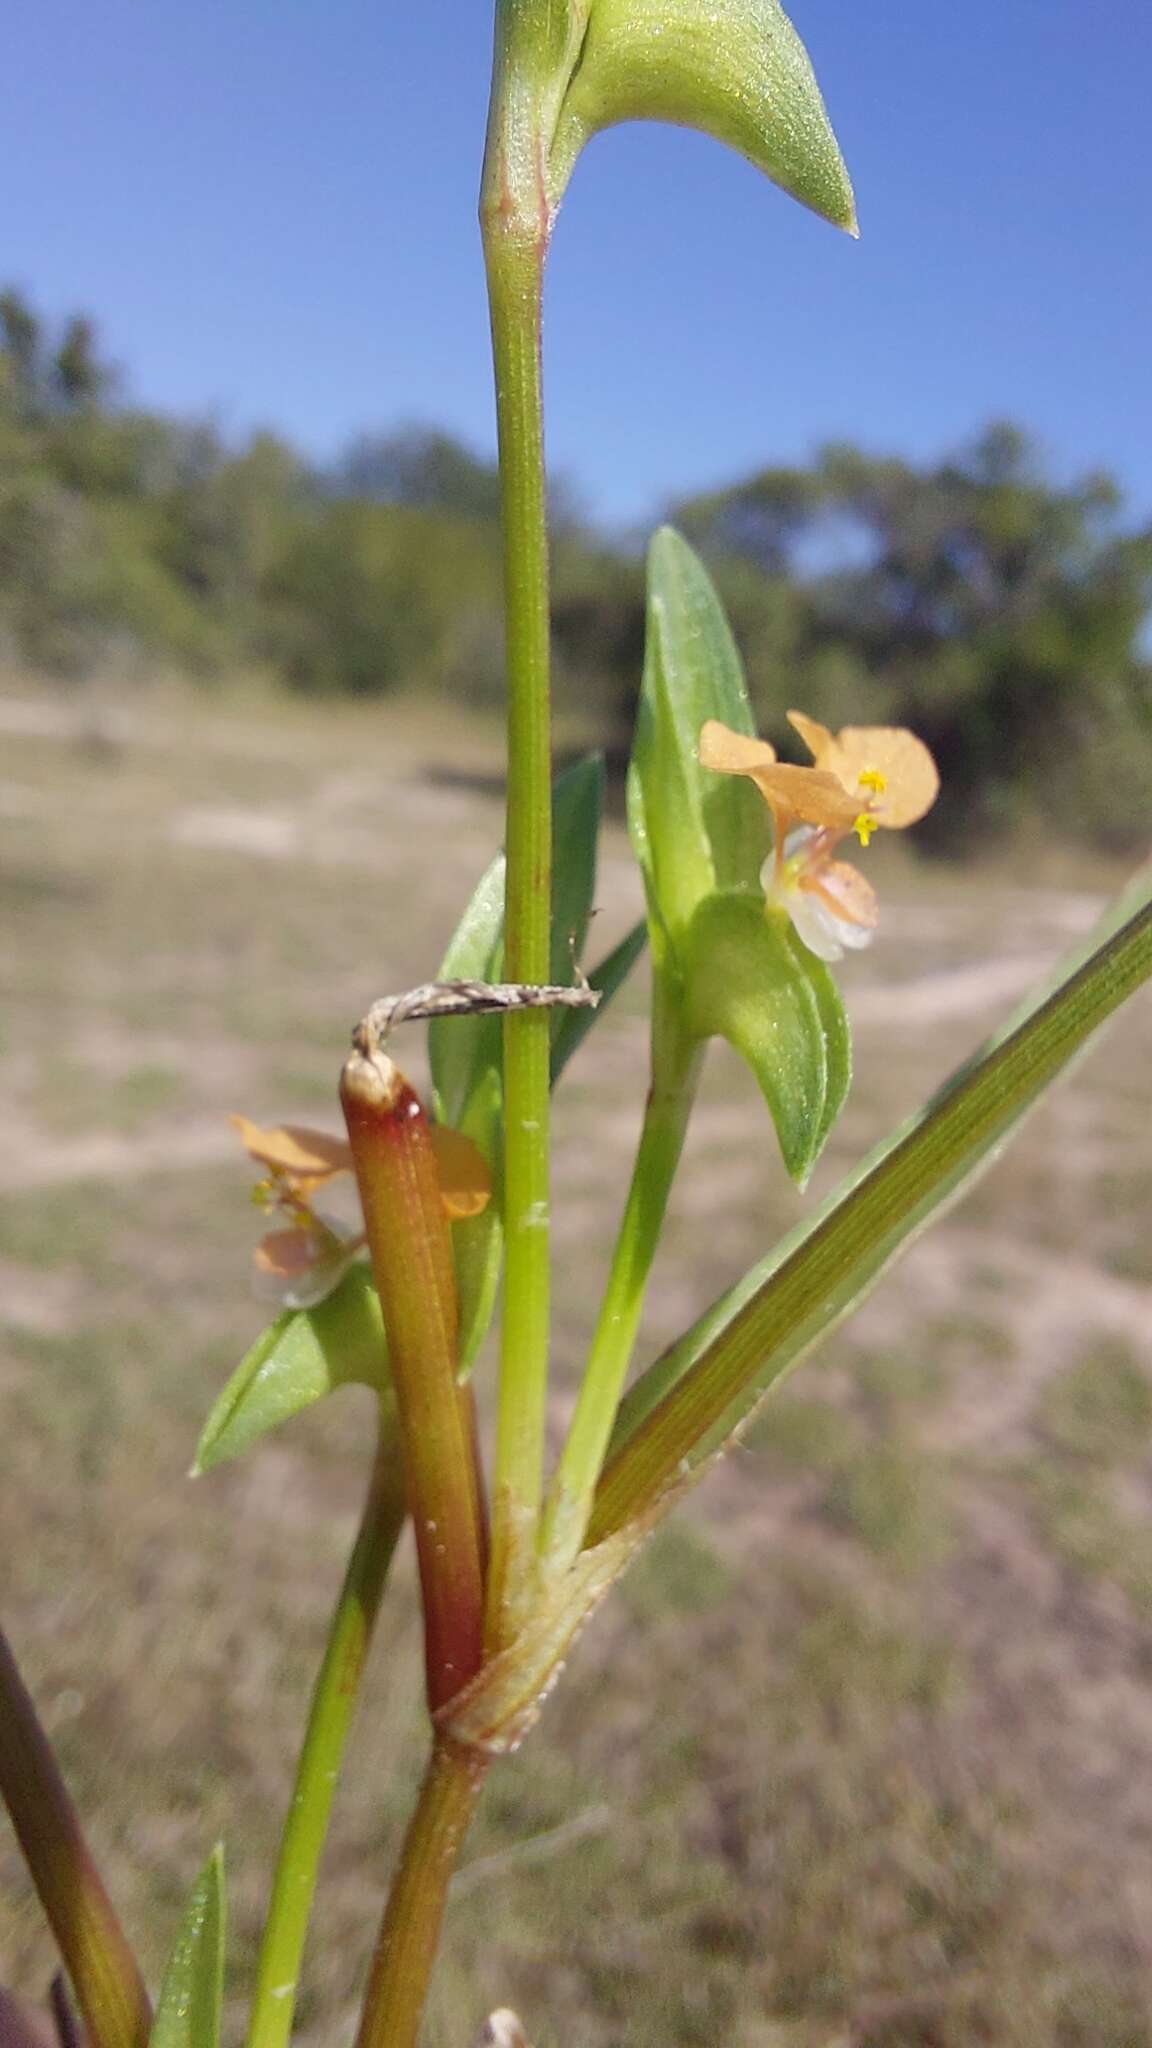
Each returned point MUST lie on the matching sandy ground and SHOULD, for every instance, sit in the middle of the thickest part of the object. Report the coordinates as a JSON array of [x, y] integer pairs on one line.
[[199, 900]]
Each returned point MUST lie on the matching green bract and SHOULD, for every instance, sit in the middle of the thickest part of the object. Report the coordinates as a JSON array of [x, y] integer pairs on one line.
[[734, 68], [751, 981], [732, 967]]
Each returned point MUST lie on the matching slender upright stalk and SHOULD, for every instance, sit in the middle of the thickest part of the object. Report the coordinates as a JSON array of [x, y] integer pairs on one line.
[[515, 260], [515, 220], [676, 1061], [410, 1932], [104, 1973], [333, 1704]]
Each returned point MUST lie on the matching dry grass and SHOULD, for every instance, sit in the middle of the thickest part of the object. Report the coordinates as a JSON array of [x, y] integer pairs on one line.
[[861, 1757]]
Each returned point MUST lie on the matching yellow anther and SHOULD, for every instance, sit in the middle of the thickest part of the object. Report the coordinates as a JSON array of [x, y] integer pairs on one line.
[[872, 779], [864, 827]]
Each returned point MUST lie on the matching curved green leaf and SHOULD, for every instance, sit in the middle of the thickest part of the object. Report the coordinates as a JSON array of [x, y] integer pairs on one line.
[[188, 2014], [735, 69], [301, 1357]]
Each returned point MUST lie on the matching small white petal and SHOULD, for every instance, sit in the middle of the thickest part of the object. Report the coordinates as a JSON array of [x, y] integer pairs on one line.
[[815, 925], [309, 1288], [821, 930], [855, 936]]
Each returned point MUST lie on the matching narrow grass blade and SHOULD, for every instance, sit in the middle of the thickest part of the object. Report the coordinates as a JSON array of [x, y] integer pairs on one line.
[[103, 1971], [700, 1392], [188, 2015]]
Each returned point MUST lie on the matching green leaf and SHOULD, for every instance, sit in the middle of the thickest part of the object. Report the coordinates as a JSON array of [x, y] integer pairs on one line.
[[776, 1004], [577, 803], [693, 832], [188, 2014], [735, 69], [462, 1049], [300, 1358], [464, 1052], [695, 1397], [609, 977]]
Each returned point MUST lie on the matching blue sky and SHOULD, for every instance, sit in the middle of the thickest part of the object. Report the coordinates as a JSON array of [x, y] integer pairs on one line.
[[270, 208]]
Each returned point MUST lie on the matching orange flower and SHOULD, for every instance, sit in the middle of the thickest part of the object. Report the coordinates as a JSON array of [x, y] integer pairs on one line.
[[301, 1262], [865, 778]]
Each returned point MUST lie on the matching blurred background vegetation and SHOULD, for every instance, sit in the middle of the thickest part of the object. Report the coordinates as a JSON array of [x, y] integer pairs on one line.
[[998, 611], [861, 1755]]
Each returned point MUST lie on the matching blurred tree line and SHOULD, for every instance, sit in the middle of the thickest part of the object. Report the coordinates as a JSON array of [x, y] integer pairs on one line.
[[1000, 614]]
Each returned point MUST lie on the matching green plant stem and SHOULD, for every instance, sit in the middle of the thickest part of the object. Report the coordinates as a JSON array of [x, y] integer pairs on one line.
[[515, 271], [676, 1062], [103, 1971], [333, 1704], [410, 1930]]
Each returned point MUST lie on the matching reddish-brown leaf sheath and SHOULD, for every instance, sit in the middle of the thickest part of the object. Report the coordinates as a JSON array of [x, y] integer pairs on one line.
[[410, 1244]]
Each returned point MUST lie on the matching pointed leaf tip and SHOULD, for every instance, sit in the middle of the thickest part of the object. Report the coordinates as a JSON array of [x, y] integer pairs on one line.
[[736, 70], [191, 1996]]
